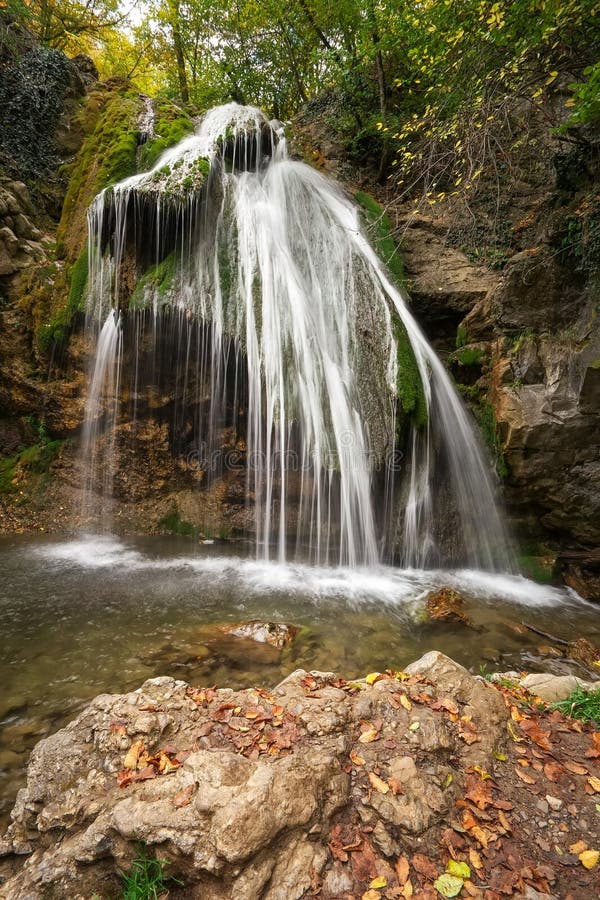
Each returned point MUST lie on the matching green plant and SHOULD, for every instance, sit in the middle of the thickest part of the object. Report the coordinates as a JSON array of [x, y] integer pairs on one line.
[[379, 229], [469, 356], [582, 704], [146, 880], [174, 524]]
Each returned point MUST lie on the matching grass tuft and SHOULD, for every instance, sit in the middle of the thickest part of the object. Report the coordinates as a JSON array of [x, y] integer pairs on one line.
[[582, 704], [146, 880]]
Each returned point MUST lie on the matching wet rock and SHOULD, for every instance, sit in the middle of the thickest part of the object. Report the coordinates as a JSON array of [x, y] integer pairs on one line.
[[277, 634], [446, 605]]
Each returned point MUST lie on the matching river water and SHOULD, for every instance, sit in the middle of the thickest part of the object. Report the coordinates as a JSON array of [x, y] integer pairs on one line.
[[84, 616]]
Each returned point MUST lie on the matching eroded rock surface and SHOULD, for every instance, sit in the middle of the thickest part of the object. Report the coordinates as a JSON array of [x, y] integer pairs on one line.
[[257, 786]]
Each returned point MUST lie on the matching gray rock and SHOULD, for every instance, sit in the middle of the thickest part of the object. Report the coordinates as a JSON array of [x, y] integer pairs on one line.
[[552, 688]]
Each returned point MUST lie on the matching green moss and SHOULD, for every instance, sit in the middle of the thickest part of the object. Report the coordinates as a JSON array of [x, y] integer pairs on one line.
[[469, 356], [34, 460], [55, 332], [108, 155], [174, 524], [537, 568], [171, 124], [157, 280], [379, 230], [410, 387], [484, 413]]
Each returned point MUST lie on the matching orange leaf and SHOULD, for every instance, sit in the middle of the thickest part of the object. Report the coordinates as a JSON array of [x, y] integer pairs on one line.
[[381, 786], [575, 768], [475, 859], [524, 776], [369, 735], [402, 870], [356, 759], [552, 770], [184, 797], [594, 783], [133, 754], [480, 835]]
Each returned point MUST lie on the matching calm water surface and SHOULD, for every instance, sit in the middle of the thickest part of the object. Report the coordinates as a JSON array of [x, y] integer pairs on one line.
[[96, 614]]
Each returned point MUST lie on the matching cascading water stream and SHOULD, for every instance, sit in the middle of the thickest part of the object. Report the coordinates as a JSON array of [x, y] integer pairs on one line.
[[286, 326]]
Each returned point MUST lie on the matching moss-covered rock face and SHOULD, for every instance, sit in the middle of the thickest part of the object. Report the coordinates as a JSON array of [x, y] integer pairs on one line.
[[109, 154], [409, 387], [170, 125]]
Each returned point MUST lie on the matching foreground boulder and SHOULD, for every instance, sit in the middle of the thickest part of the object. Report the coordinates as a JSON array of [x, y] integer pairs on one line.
[[320, 787]]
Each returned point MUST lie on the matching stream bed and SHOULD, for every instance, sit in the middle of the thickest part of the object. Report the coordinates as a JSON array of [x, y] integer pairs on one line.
[[91, 615]]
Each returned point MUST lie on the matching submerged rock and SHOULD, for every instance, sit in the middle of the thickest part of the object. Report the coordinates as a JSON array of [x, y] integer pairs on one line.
[[446, 605], [277, 634]]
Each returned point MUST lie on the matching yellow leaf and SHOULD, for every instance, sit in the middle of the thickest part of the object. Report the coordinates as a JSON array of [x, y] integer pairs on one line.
[[372, 677], [475, 859], [589, 858], [594, 783], [414, 726], [370, 895], [407, 890], [379, 882], [482, 773], [133, 754], [538, 93], [381, 786], [405, 702], [578, 848], [369, 735], [458, 869], [356, 759]]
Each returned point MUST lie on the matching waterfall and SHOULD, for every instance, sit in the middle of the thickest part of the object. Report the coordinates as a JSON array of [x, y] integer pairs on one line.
[[283, 332]]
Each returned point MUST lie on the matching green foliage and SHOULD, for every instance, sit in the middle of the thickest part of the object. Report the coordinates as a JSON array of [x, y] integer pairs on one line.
[[147, 879], [580, 239], [379, 229], [462, 337], [585, 102], [581, 704], [174, 524], [30, 461], [469, 356]]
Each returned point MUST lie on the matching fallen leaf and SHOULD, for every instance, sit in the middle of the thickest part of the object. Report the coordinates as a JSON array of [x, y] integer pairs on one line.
[[379, 882], [424, 866], [578, 847], [133, 754], [184, 797], [589, 858], [448, 885], [458, 869], [373, 677], [475, 859], [407, 890], [371, 895], [381, 786], [535, 733], [402, 870], [552, 770], [396, 786], [369, 734], [575, 768], [414, 726], [524, 776], [405, 702], [480, 835], [356, 759], [594, 783], [482, 773]]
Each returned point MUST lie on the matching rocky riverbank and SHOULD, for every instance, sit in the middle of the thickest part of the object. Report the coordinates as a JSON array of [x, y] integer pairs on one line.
[[318, 787]]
